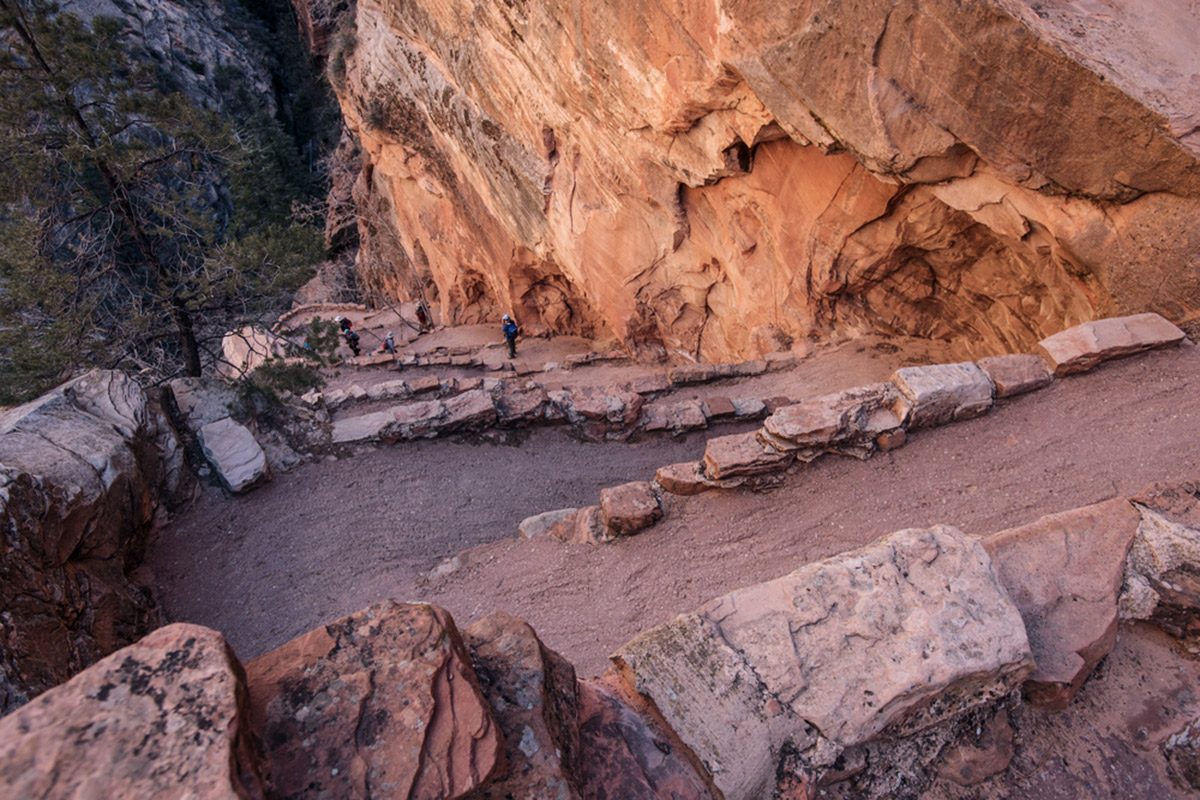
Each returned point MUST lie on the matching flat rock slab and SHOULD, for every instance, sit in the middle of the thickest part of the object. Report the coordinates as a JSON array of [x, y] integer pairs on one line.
[[1064, 572], [164, 717], [630, 507], [1016, 374], [386, 697], [684, 479], [235, 454], [361, 428], [469, 411], [679, 416], [857, 414], [742, 454], [753, 673], [1080, 348], [941, 393]]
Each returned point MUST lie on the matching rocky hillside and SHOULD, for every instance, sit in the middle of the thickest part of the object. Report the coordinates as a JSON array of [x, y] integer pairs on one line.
[[715, 180]]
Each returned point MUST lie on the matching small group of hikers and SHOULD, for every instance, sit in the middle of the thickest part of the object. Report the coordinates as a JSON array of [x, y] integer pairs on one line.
[[388, 345]]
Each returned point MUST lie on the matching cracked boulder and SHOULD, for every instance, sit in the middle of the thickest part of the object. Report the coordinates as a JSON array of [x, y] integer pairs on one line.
[[793, 665], [86, 471], [1080, 348], [164, 718], [1064, 572], [382, 700], [850, 419], [534, 698], [1162, 574], [941, 393]]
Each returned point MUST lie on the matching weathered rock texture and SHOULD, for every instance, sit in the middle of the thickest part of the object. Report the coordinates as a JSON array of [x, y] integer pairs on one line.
[[718, 179], [382, 701], [796, 665], [1065, 572], [85, 472], [166, 717], [1162, 575]]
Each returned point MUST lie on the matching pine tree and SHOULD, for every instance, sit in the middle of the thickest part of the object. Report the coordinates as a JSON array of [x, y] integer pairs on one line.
[[135, 228]]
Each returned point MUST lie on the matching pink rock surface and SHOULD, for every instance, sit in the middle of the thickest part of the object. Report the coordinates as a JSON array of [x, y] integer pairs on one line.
[[1064, 572], [164, 717], [742, 454], [630, 507], [386, 697], [1016, 374], [1080, 348]]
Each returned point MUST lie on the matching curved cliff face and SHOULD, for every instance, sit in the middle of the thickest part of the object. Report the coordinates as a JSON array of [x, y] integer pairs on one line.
[[719, 178]]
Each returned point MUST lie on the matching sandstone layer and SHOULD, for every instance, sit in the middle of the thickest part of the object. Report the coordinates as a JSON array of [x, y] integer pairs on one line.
[[717, 180], [85, 472]]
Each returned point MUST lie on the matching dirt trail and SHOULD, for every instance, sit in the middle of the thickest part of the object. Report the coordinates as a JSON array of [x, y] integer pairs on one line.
[[328, 539]]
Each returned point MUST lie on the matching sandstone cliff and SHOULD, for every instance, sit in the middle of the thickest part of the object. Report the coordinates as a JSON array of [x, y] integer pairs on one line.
[[718, 179]]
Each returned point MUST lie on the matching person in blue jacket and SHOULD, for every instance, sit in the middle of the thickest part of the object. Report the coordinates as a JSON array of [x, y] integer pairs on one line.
[[510, 330]]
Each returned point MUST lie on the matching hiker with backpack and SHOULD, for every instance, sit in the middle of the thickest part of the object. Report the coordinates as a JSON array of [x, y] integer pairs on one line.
[[351, 337], [510, 330]]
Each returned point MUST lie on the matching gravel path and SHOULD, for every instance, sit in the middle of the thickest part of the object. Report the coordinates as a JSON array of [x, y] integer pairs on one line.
[[330, 538]]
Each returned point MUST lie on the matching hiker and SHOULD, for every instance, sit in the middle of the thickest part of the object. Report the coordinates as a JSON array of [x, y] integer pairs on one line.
[[389, 344], [510, 331], [348, 331]]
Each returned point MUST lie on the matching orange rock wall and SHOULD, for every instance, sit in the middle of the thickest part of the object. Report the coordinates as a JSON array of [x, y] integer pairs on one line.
[[718, 179]]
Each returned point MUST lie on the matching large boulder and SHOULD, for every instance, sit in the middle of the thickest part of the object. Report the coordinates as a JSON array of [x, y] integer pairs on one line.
[[247, 349], [386, 697], [86, 472], [941, 393], [1080, 348], [468, 411], [1064, 572], [1162, 575], [793, 665], [629, 753], [165, 718], [235, 454], [535, 700]]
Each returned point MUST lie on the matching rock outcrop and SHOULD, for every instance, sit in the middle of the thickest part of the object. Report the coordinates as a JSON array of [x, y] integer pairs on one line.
[[166, 717], [718, 180], [1162, 575], [385, 699], [792, 665], [85, 473], [1065, 573]]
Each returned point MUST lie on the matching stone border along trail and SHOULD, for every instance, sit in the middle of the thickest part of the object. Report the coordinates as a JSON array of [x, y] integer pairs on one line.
[[1080, 441], [323, 541]]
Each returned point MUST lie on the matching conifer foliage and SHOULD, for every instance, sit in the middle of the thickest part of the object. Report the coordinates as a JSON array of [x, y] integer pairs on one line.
[[136, 225]]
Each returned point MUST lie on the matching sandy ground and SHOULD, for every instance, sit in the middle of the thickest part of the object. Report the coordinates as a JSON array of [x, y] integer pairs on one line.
[[329, 539]]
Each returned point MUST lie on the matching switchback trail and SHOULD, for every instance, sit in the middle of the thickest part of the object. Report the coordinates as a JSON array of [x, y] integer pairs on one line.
[[330, 538]]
